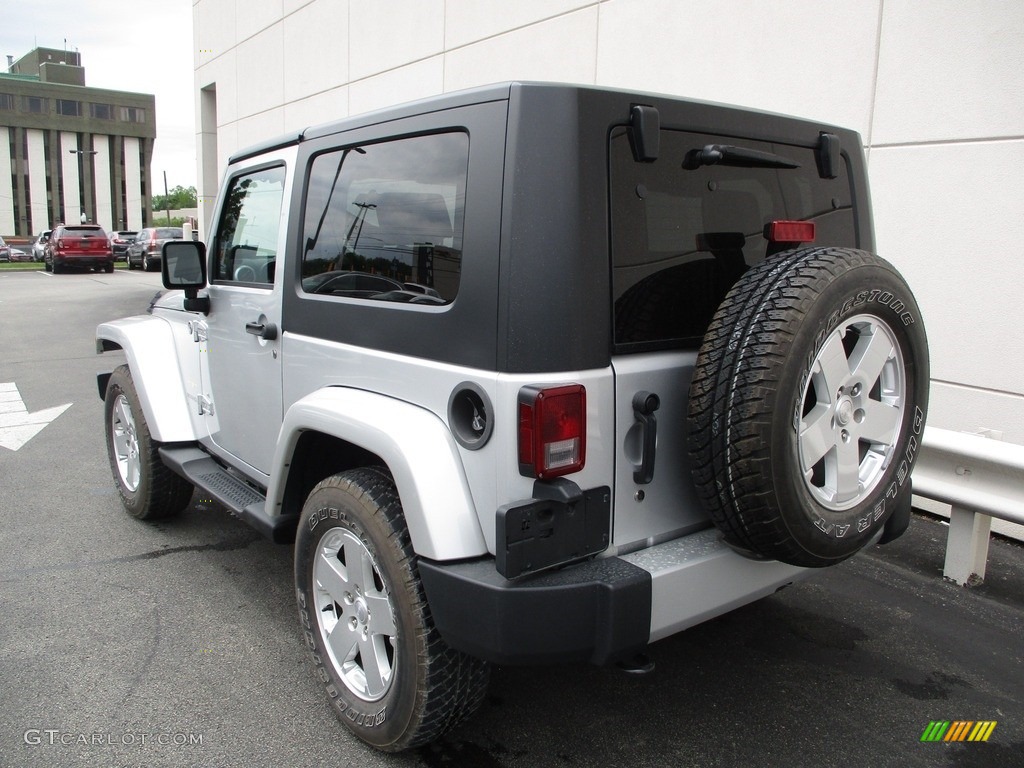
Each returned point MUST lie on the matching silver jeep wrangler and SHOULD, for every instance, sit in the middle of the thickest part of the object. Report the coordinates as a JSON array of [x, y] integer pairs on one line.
[[531, 373]]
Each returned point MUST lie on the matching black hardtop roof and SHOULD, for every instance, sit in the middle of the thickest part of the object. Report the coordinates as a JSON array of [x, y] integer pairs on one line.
[[504, 91], [439, 102]]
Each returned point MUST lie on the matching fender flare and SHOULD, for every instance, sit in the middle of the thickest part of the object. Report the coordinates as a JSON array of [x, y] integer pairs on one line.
[[418, 449], [148, 345]]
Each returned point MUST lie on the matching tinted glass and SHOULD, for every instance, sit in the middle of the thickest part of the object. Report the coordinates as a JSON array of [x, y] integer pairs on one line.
[[384, 221], [84, 230], [681, 238], [245, 249]]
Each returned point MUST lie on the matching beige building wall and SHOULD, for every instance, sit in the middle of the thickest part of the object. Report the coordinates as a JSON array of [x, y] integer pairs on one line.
[[935, 88]]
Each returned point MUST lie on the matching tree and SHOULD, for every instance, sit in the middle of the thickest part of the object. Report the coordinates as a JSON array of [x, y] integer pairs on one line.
[[177, 198]]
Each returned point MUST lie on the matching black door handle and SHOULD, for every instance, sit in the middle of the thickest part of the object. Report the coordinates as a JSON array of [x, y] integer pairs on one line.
[[267, 331], [644, 406]]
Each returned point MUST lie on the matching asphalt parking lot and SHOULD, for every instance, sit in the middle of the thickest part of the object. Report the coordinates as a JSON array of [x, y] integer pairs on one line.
[[124, 643]]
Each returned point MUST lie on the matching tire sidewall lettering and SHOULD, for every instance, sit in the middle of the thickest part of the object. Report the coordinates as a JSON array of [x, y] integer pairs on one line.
[[323, 514]]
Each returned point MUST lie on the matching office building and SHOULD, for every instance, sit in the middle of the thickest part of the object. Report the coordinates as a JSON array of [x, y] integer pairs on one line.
[[68, 152]]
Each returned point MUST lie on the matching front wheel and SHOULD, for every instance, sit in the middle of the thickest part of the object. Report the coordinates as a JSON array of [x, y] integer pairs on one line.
[[148, 489], [390, 677]]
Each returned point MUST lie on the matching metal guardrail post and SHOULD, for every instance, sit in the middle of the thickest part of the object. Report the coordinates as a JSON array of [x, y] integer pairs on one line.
[[981, 478], [967, 546]]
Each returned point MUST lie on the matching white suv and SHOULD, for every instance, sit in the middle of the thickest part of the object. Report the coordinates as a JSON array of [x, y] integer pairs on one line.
[[530, 373]]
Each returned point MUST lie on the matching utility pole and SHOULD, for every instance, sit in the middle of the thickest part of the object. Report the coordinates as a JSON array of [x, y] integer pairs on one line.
[[167, 200]]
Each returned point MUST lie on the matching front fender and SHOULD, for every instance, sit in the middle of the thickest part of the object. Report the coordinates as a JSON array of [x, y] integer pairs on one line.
[[148, 345], [418, 449]]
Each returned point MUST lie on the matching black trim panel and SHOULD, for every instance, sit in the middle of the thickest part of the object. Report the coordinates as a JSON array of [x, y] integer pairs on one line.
[[599, 611]]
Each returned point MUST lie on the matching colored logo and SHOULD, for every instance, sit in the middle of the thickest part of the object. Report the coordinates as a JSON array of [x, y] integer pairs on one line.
[[958, 730]]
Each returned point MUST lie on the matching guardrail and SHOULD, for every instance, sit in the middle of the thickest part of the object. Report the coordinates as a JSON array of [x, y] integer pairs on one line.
[[980, 478]]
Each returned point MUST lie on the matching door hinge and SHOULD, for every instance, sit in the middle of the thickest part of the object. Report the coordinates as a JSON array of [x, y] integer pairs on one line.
[[205, 405], [198, 331]]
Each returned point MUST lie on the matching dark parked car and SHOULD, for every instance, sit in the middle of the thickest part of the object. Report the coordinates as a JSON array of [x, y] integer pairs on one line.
[[119, 242], [39, 245], [145, 250], [78, 245], [5, 251]]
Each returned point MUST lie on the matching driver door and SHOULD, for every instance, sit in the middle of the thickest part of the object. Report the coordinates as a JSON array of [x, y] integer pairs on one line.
[[241, 362]]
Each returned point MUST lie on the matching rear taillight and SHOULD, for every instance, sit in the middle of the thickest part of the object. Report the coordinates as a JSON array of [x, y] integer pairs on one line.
[[791, 232], [552, 430]]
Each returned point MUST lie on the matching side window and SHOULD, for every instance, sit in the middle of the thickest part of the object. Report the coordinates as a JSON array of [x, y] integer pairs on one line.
[[245, 248], [384, 221]]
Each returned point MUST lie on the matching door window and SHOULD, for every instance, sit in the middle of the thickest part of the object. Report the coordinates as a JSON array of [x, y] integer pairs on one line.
[[245, 249]]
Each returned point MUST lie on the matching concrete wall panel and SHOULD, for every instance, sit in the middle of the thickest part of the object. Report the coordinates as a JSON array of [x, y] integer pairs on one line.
[[950, 70], [391, 33], [561, 49]]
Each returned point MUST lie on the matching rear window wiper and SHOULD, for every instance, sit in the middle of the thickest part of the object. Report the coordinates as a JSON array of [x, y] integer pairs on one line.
[[740, 157]]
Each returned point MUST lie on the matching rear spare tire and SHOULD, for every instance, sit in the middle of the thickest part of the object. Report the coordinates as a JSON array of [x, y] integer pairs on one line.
[[808, 403]]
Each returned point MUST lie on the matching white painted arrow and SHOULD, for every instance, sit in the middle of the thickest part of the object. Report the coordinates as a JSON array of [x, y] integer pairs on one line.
[[17, 425]]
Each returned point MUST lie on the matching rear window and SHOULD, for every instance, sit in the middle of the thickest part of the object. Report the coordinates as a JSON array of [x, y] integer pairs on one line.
[[168, 233], [84, 231], [682, 237]]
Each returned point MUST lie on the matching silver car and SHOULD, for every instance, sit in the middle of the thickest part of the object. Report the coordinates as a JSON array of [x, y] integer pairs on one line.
[[39, 245]]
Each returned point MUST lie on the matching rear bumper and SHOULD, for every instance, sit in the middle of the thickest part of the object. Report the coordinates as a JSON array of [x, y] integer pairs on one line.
[[601, 611], [90, 260]]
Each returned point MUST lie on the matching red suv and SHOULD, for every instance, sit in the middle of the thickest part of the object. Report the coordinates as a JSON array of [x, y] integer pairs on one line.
[[78, 245]]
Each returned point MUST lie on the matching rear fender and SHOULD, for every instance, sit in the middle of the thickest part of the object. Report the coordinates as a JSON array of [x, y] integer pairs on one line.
[[148, 345], [417, 448]]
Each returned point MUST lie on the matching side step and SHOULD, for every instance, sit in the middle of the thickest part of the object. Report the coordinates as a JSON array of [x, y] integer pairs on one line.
[[200, 469]]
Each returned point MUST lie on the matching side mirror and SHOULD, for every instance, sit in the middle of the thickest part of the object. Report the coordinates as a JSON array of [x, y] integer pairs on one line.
[[183, 267]]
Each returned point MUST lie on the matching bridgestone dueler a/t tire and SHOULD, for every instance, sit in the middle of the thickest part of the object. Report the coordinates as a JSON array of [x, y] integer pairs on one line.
[[397, 684], [807, 404]]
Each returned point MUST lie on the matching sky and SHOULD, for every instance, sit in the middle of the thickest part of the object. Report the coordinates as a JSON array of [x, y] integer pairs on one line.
[[126, 45]]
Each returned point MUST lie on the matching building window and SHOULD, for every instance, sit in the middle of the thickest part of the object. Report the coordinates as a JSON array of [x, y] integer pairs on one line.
[[69, 108], [36, 105], [133, 114], [6, 101], [101, 111]]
